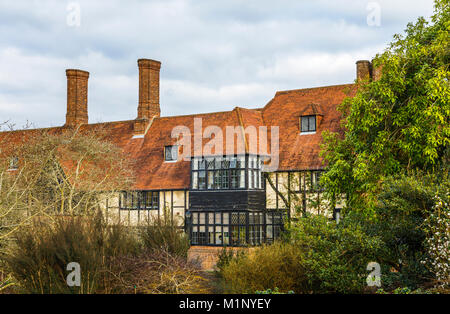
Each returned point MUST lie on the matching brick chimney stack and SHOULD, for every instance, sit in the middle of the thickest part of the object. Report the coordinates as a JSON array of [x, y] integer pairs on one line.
[[148, 94], [363, 70], [77, 97], [148, 88]]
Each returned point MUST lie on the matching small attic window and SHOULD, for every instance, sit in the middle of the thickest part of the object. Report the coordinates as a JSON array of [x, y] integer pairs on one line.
[[308, 124], [171, 153], [13, 163]]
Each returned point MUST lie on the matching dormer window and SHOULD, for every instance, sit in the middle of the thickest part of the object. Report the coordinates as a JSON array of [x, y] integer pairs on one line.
[[14, 163], [308, 124], [171, 153]]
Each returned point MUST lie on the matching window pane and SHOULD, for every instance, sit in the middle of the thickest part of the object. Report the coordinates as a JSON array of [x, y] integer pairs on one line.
[[218, 219], [242, 218], [234, 179], [147, 199], [234, 218], [168, 154], [195, 164], [218, 163], [235, 234], [174, 152], [233, 162], [226, 236], [211, 218], [195, 218], [218, 235], [202, 235], [305, 124], [211, 235], [241, 179], [171, 153], [202, 180], [195, 180], [210, 179], [210, 163], [312, 124], [242, 235], [202, 164], [269, 218], [226, 218], [202, 219], [217, 180], [251, 218], [225, 183], [240, 162], [194, 235], [269, 233]]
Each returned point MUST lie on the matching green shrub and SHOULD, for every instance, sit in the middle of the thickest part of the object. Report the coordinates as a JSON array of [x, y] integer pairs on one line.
[[42, 252], [163, 233], [277, 265], [317, 257], [274, 291], [335, 256], [225, 256], [403, 205]]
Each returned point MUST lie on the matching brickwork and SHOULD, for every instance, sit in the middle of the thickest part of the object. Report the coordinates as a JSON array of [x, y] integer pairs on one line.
[[377, 72], [148, 88], [363, 70], [77, 97], [148, 107]]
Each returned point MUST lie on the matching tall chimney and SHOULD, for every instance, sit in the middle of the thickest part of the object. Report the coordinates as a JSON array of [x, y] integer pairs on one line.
[[148, 88], [363, 70], [77, 93]]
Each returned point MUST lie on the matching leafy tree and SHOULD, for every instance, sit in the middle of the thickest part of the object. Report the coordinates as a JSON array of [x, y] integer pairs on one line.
[[398, 122]]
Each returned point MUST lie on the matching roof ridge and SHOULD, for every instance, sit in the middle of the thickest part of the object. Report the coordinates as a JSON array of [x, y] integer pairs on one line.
[[311, 88]]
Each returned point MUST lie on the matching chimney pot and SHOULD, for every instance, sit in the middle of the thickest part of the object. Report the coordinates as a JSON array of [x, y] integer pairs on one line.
[[77, 94]]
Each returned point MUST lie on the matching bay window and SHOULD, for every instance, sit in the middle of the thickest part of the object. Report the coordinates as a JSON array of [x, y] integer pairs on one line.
[[227, 173]]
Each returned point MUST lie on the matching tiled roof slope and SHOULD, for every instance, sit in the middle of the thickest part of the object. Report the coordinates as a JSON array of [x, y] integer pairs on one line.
[[297, 152], [301, 152]]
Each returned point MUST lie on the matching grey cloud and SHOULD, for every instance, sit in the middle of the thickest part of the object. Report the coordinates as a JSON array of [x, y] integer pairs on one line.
[[215, 54]]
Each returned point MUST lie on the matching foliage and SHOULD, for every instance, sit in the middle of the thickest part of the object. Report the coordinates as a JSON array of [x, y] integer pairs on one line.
[[404, 290], [156, 272], [58, 172], [225, 256], [318, 257], [165, 233], [42, 252], [277, 265], [274, 291], [400, 209], [437, 225], [335, 256], [398, 122]]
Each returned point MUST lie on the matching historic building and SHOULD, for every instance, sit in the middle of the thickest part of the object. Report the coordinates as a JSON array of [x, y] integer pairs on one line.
[[232, 190]]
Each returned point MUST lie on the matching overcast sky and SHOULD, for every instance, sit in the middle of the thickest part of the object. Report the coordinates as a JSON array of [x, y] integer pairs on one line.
[[215, 55]]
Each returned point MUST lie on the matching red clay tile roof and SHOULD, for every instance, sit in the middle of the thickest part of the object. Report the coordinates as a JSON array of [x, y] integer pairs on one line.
[[297, 152], [301, 152]]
